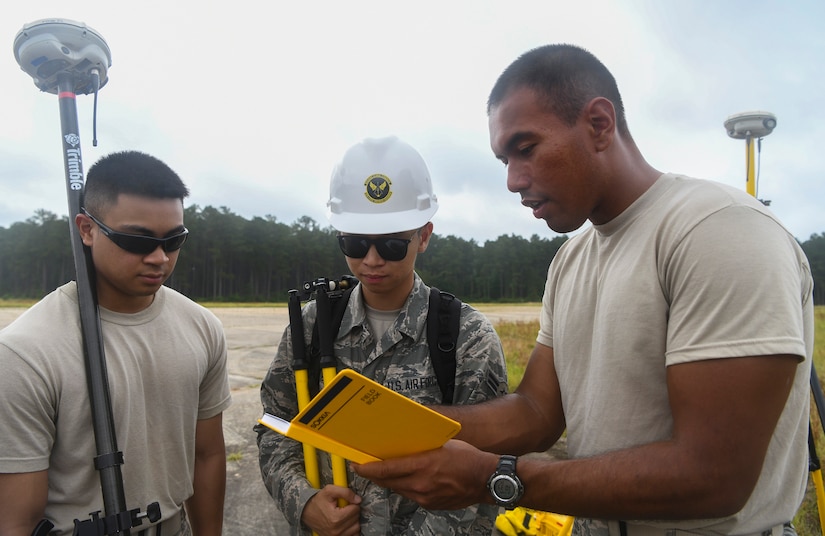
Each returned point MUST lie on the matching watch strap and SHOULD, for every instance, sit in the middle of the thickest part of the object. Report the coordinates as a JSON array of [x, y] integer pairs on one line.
[[506, 474]]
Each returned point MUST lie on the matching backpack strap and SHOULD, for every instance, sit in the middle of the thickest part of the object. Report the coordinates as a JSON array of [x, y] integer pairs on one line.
[[443, 320]]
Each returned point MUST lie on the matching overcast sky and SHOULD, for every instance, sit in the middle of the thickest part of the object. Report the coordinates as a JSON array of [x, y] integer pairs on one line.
[[253, 102]]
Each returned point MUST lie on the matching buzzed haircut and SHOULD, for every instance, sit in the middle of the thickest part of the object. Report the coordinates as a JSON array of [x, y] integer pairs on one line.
[[567, 76], [133, 173]]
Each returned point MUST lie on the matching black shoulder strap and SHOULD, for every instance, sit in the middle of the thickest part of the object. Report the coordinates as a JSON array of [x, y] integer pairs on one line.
[[443, 320], [339, 307]]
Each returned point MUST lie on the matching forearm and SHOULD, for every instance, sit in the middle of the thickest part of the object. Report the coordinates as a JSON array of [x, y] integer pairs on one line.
[[282, 459], [655, 481], [725, 412], [282, 469], [527, 430], [665, 480], [532, 416], [205, 508]]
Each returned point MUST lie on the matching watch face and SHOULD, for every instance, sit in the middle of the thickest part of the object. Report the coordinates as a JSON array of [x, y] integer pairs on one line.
[[504, 488]]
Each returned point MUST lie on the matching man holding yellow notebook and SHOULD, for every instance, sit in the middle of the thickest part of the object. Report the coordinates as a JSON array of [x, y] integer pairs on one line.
[[381, 202]]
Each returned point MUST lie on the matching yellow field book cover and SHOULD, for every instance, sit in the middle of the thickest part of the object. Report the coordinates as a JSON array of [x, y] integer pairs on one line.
[[363, 421]]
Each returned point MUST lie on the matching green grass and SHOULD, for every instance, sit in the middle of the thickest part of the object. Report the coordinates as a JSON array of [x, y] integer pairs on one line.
[[807, 517], [16, 302], [250, 305], [518, 339]]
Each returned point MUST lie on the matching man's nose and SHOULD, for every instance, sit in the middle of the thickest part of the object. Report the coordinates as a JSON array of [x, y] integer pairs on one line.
[[517, 180]]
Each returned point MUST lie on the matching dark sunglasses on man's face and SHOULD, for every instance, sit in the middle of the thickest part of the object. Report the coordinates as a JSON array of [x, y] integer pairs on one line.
[[140, 244], [390, 248]]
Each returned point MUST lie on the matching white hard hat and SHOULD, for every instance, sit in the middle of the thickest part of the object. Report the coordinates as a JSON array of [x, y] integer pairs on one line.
[[381, 186]]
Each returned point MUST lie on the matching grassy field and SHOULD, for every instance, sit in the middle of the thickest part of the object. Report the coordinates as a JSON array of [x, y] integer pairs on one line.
[[518, 339], [16, 303], [807, 518]]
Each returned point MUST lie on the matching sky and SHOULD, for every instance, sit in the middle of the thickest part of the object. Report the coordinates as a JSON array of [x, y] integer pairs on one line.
[[254, 102]]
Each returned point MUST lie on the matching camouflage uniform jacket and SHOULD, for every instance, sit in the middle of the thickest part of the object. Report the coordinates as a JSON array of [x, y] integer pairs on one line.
[[400, 360]]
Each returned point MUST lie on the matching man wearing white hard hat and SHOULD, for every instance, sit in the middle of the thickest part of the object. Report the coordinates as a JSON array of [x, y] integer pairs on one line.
[[381, 202]]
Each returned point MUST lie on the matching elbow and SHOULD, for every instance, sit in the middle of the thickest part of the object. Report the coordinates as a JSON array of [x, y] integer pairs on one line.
[[732, 499], [546, 442], [723, 496], [722, 505], [542, 429]]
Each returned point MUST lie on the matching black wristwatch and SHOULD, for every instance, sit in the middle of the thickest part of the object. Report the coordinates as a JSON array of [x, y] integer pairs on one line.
[[504, 485]]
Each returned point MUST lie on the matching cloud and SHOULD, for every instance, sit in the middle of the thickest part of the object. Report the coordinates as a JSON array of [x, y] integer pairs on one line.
[[254, 103]]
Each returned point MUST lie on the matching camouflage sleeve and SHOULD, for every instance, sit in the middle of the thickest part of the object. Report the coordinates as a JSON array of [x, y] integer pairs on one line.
[[476, 520], [481, 374], [481, 371], [282, 459]]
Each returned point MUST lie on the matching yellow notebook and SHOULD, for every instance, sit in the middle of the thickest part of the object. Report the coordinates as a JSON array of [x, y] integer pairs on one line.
[[363, 421]]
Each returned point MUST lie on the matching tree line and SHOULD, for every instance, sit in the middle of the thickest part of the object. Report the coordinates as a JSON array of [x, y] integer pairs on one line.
[[233, 259]]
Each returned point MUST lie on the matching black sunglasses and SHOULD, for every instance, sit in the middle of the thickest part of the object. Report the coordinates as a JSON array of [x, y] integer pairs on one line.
[[390, 248], [140, 244]]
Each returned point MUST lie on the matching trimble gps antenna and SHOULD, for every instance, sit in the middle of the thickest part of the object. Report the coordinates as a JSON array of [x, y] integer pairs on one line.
[[67, 58], [49, 48], [751, 126]]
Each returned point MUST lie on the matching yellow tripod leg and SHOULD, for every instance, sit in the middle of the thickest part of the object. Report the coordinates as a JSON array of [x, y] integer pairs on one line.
[[816, 476], [339, 465], [310, 456], [813, 458], [299, 367], [329, 366]]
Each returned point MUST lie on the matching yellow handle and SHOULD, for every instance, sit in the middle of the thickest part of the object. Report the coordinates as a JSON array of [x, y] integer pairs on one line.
[[310, 457], [339, 465], [816, 476]]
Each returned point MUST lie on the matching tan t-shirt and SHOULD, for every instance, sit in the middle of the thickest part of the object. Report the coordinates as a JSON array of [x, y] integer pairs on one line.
[[167, 369], [692, 270]]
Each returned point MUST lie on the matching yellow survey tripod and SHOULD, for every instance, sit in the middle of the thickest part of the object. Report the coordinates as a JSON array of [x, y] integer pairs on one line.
[[814, 465], [751, 127], [325, 292]]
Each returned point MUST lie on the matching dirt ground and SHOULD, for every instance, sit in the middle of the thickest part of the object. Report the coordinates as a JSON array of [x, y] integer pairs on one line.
[[252, 335]]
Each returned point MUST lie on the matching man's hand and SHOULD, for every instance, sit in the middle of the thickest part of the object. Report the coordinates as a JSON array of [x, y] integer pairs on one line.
[[323, 515], [451, 477]]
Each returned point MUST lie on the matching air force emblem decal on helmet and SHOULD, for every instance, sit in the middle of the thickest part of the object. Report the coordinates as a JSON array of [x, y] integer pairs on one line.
[[378, 188], [364, 200]]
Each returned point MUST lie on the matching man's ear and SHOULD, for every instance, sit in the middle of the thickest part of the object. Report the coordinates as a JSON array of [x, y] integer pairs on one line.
[[425, 233], [601, 116], [84, 226]]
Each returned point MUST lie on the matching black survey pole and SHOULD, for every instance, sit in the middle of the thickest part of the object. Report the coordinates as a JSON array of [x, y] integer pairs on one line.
[[300, 367], [65, 58], [109, 459], [328, 363]]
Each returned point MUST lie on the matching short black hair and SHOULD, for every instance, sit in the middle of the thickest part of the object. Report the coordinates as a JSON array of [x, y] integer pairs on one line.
[[567, 76], [130, 172]]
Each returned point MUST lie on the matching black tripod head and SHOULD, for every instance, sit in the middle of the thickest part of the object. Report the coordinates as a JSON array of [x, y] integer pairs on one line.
[[332, 287]]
